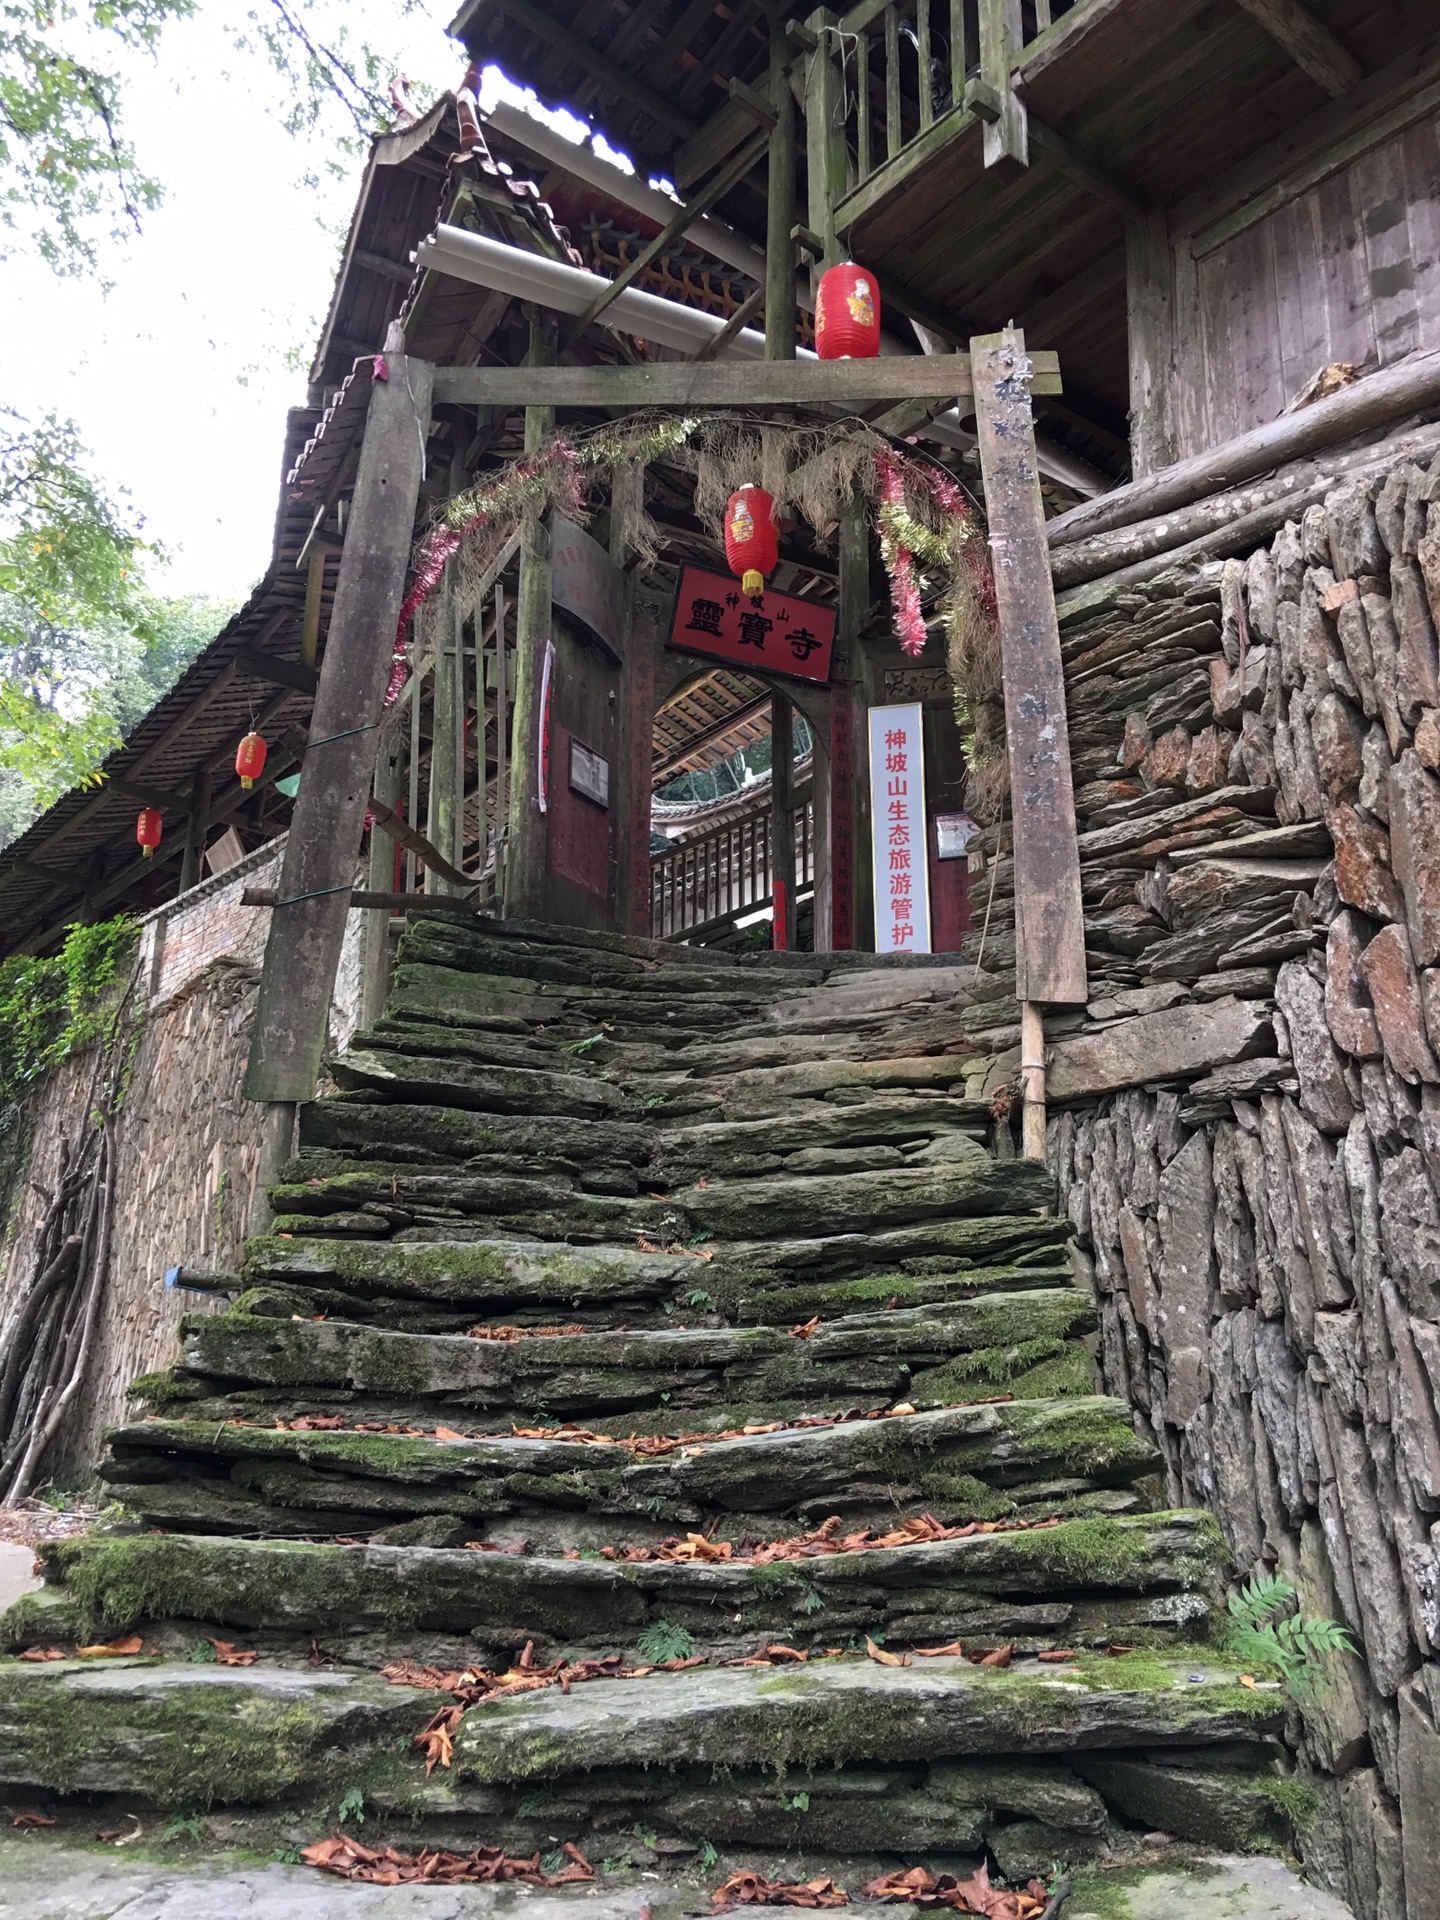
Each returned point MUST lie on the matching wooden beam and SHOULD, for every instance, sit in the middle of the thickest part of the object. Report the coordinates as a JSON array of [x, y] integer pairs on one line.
[[378, 897], [303, 947], [395, 270], [1063, 158], [727, 383], [827, 159], [595, 63], [280, 673], [1049, 923], [1309, 43], [1006, 138], [148, 796], [1377, 399], [413, 841], [738, 320], [680, 221]]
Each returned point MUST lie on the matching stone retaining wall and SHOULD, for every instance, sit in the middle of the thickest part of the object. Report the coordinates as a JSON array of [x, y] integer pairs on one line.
[[1246, 1121]]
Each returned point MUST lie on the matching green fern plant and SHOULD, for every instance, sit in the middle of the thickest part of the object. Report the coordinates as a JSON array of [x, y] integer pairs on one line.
[[1262, 1630], [665, 1641]]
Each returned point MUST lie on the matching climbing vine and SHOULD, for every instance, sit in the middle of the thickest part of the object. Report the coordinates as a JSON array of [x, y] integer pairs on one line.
[[52, 1006]]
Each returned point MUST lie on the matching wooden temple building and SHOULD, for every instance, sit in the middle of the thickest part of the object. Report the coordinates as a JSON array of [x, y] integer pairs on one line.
[[1094, 679]]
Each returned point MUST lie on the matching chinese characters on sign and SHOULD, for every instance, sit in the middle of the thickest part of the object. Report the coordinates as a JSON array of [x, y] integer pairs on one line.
[[768, 632], [897, 817]]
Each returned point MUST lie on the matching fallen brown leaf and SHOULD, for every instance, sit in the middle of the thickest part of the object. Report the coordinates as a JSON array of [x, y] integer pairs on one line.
[[747, 1888], [885, 1659], [383, 1866], [975, 1895], [1059, 1653], [227, 1654], [997, 1657], [114, 1649], [930, 1653], [805, 1329], [33, 1820], [44, 1653]]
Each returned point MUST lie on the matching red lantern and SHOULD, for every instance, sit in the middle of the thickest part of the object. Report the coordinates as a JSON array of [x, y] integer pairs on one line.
[[147, 830], [847, 314], [250, 760], [752, 545]]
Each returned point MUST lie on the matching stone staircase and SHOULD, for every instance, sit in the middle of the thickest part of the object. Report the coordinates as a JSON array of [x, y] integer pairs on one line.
[[653, 1363]]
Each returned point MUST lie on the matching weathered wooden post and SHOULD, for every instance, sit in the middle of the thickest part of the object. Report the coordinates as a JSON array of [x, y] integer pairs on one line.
[[826, 159], [307, 926], [380, 878], [526, 835], [782, 818], [780, 205], [1049, 922], [447, 765]]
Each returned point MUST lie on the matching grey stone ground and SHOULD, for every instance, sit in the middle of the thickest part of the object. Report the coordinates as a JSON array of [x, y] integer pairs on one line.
[[15, 1575], [40, 1880]]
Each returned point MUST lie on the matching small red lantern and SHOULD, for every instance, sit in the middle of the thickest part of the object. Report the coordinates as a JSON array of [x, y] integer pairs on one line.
[[847, 314], [250, 760], [752, 545], [147, 830]]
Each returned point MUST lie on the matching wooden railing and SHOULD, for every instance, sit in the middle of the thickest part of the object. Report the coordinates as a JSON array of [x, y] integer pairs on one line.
[[906, 62], [722, 875]]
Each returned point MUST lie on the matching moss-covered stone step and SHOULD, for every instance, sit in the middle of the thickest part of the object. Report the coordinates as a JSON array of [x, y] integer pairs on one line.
[[905, 1761], [969, 1184], [962, 1464], [1083, 1583], [900, 1128], [925, 1356], [847, 1710], [181, 1735]]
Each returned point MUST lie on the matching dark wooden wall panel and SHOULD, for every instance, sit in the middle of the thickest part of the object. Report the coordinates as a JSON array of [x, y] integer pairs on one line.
[[1348, 271]]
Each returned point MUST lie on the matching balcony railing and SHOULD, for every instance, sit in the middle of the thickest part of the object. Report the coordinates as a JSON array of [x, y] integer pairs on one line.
[[722, 875], [906, 62]]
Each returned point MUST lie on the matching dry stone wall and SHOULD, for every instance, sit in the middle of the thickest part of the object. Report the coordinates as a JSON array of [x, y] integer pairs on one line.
[[188, 1144], [1246, 1119]]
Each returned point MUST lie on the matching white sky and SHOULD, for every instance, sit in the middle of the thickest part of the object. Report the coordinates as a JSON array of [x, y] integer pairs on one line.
[[177, 377]]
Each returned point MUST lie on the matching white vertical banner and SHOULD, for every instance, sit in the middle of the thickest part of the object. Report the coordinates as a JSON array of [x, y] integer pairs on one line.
[[897, 824]]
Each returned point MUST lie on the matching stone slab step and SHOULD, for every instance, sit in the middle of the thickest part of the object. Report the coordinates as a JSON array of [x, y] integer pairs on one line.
[[728, 1749], [1079, 1584], [926, 1356], [735, 1210], [960, 1464], [843, 1711], [770, 1283]]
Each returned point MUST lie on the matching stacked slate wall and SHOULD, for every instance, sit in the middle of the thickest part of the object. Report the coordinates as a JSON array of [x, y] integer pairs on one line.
[[1245, 1121], [188, 1144]]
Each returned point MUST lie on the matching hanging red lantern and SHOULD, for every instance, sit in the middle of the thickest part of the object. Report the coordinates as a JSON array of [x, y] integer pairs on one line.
[[847, 314], [147, 830], [752, 545], [250, 760]]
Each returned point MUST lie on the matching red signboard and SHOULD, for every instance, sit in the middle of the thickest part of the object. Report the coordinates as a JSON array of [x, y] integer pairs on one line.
[[766, 632]]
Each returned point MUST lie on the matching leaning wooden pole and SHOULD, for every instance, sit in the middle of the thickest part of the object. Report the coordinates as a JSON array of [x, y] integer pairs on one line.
[[307, 925], [1049, 921], [527, 839]]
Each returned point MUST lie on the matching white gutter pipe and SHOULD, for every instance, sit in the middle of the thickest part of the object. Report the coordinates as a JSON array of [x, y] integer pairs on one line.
[[501, 268]]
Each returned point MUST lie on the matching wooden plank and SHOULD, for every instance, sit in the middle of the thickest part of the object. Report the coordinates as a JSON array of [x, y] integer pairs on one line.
[[1388, 101], [1151, 332], [1311, 45], [1049, 924], [280, 673], [917, 156], [302, 951], [725, 383]]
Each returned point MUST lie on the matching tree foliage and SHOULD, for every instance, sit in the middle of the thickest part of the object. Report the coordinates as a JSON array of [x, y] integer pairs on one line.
[[1263, 1629], [70, 179]]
